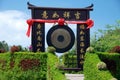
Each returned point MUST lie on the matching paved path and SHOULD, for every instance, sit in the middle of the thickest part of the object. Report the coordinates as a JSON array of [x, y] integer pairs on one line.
[[74, 76]]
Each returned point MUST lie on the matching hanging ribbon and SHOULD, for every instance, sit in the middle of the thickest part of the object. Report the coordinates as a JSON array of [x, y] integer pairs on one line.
[[60, 21]]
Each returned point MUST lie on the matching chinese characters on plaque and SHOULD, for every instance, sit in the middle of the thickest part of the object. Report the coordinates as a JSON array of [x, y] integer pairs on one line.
[[57, 14]]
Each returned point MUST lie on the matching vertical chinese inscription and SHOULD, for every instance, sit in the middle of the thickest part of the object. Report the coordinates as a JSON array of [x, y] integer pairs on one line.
[[38, 34], [81, 43]]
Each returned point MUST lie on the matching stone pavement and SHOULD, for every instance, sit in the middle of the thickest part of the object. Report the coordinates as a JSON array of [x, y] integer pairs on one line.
[[74, 76]]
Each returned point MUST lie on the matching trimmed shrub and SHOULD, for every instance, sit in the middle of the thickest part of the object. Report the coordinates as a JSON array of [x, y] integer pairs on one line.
[[91, 72], [115, 49], [113, 63], [90, 50], [101, 66], [69, 60], [14, 49], [53, 73], [51, 49], [23, 66], [29, 66], [113, 79], [2, 51]]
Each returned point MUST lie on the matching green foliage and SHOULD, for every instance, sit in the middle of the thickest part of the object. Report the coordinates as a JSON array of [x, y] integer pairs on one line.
[[108, 39], [91, 72], [4, 45], [29, 66], [115, 49], [15, 71], [113, 79], [102, 66], [22, 49], [69, 57], [90, 50], [53, 73], [51, 49], [113, 63]]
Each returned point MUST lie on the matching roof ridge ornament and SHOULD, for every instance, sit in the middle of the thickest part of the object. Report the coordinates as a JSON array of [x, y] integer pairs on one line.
[[90, 6], [29, 4]]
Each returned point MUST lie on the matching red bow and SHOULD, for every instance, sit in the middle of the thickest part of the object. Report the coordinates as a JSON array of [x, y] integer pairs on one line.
[[60, 21]]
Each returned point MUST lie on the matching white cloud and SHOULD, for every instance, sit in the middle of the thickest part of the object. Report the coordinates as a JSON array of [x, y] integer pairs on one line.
[[13, 28]]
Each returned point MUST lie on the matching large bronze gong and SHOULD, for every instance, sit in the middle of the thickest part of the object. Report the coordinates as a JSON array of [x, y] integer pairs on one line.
[[60, 37]]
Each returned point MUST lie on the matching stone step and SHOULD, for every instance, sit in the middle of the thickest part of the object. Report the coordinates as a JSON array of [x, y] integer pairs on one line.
[[74, 76]]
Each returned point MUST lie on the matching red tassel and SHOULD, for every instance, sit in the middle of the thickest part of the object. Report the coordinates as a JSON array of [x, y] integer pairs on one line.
[[90, 23], [29, 22], [60, 21]]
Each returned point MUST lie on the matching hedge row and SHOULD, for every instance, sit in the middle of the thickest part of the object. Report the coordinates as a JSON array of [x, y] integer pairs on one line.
[[29, 66], [69, 60], [53, 73], [113, 63], [91, 72], [23, 66]]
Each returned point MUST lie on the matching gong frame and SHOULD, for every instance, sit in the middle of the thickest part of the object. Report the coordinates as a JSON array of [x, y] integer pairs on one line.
[[69, 14]]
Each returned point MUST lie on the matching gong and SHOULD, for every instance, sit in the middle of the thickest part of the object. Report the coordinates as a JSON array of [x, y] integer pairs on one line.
[[60, 37]]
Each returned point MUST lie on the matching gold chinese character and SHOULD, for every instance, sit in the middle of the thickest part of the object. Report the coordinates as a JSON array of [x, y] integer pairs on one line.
[[82, 32], [38, 32], [38, 50], [82, 50], [44, 14], [82, 44], [39, 38], [55, 15], [66, 14], [39, 44], [81, 56], [39, 26], [81, 62], [82, 26], [82, 38], [77, 15]]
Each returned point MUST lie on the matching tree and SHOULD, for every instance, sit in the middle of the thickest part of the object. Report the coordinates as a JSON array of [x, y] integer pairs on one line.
[[4, 46], [108, 39]]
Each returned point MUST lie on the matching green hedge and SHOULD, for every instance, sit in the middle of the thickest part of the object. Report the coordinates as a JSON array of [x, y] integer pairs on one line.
[[68, 60], [91, 71], [113, 63], [53, 73], [29, 66], [23, 66]]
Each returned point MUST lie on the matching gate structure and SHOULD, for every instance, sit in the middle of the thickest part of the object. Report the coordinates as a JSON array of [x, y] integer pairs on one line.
[[61, 36]]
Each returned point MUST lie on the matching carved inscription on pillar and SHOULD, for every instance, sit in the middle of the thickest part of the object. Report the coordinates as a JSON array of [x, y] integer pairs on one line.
[[82, 44], [38, 37]]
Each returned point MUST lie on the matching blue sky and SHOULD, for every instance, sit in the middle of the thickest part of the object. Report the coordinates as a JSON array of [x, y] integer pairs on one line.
[[14, 13]]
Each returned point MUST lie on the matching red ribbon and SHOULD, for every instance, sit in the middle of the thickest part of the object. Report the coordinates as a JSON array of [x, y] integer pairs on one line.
[[60, 21]]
